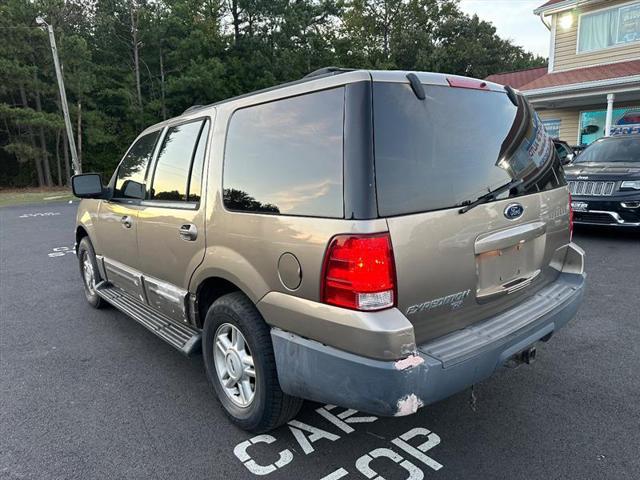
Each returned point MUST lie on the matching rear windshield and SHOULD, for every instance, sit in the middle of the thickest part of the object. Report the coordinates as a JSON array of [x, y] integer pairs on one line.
[[612, 150], [454, 146]]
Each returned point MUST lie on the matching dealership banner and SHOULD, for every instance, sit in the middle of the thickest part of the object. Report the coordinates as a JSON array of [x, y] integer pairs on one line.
[[625, 121], [628, 24]]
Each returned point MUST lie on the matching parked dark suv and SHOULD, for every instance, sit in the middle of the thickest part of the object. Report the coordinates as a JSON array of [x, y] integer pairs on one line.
[[605, 182], [356, 238]]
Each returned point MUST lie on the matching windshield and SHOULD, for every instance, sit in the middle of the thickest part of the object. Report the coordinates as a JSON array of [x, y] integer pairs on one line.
[[613, 149], [455, 146]]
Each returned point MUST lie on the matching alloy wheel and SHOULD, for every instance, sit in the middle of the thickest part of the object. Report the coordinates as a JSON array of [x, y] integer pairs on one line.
[[88, 273], [234, 365]]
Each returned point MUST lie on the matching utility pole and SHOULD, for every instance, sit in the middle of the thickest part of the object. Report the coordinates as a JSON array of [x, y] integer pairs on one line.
[[77, 168]]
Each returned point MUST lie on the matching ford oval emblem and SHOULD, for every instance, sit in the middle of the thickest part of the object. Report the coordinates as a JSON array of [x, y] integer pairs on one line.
[[513, 211]]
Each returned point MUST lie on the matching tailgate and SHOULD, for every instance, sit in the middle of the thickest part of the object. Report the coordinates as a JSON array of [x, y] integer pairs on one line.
[[454, 270], [473, 147]]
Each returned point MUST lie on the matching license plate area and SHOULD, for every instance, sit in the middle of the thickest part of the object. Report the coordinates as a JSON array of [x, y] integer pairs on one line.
[[506, 270]]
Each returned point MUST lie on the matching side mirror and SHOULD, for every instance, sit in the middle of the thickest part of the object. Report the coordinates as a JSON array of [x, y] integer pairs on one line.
[[87, 185], [568, 159]]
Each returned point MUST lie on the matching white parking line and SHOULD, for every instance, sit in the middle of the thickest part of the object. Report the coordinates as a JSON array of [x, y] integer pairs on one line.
[[43, 214], [62, 251]]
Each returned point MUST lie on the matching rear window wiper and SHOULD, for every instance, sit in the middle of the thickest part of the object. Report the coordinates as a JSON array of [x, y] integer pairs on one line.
[[491, 195]]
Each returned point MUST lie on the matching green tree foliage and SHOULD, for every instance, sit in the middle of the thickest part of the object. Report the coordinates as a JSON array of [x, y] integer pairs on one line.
[[132, 63]]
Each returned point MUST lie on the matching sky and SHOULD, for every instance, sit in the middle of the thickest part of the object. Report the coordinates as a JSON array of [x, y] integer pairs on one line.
[[513, 19]]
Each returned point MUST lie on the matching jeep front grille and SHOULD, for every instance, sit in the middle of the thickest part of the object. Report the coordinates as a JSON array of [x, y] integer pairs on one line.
[[588, 188]]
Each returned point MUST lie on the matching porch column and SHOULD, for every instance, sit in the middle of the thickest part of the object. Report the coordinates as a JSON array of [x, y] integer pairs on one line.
[[607, 124]]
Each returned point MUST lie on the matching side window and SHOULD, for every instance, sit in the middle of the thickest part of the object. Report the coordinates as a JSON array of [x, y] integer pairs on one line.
[[285, 157], [170, 179], [563, 152], [130, 181], [195, 182]]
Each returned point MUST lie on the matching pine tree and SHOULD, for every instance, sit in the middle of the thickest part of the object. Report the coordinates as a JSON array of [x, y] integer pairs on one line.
[[131, 63]]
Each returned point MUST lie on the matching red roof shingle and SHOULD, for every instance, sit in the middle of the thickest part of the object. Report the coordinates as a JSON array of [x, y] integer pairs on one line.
[[581, 75], [568, 4], [549, 3], [518, 78]]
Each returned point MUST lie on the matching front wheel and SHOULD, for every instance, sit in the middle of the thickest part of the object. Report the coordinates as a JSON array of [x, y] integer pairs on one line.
[[238, 357], [90, 273]]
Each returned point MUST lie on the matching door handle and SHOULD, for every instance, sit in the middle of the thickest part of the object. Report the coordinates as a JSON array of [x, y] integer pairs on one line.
[[188, 232], [126, 221]]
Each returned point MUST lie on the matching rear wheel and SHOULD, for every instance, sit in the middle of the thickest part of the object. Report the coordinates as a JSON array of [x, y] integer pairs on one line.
[[90, 273], [238, 357]]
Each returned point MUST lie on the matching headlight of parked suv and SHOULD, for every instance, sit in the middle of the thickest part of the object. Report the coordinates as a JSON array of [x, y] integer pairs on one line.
[[630, 185]]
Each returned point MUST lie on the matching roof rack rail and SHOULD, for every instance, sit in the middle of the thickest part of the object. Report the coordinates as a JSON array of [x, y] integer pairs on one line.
[[192, 108], [328, 71]]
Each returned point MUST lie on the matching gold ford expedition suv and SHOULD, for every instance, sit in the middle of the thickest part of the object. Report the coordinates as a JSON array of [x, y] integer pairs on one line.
[[377, 240]]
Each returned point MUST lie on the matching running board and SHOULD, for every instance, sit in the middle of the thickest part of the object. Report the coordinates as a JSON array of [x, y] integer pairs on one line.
[[182, 337]]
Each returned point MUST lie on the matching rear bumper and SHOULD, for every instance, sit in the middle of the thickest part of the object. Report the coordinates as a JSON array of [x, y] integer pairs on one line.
[[438, 369]]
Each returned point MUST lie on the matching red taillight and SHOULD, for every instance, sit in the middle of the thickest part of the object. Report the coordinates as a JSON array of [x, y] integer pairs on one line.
[[461, 82], [570, 219], [359, 272]]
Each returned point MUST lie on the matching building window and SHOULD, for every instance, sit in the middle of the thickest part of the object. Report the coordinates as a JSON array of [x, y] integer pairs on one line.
[[552, 127], [609, 27], [592, 124]]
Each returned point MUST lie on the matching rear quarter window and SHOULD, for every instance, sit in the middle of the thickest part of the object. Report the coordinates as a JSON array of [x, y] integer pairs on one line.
[[285, 157]]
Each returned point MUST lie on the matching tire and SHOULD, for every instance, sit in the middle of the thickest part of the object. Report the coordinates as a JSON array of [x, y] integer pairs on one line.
[[87, 254], [269, 407]]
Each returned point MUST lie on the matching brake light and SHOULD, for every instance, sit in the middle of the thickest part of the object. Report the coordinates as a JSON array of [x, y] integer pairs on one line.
[[570, 219], [359, 272], [461, 82]]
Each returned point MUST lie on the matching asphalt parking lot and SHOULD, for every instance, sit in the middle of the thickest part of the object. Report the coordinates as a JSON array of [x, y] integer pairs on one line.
[[90, 394]]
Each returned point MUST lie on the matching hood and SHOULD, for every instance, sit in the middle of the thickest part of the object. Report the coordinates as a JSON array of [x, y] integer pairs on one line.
[[611, 170]]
